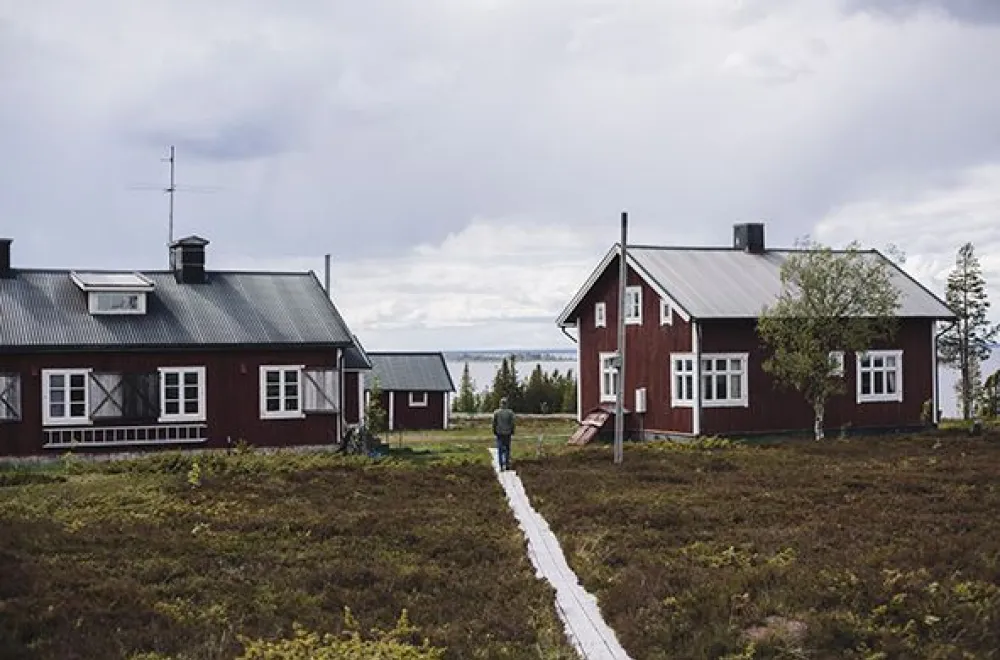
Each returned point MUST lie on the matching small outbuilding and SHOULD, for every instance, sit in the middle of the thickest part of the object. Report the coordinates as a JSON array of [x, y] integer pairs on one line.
[[416, 389]]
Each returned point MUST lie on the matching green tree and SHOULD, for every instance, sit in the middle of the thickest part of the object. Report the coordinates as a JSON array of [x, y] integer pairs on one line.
[[568, 387], [830, 301], [991, 396], [505, 383], [376, 416], [466, 400], [967, 343]]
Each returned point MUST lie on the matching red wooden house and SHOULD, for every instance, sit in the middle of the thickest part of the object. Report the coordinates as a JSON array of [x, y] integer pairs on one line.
[[694, 360], [416, 389], [185, 357]]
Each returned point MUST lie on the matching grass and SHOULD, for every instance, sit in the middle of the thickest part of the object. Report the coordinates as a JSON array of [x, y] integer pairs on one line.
[[174, 556], [871, 548]]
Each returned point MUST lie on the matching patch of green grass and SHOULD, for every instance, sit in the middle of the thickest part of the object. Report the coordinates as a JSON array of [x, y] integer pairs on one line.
[[213, 556], [884, 547]]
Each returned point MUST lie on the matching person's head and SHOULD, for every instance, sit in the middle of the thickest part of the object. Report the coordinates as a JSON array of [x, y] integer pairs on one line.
[[503, 402]]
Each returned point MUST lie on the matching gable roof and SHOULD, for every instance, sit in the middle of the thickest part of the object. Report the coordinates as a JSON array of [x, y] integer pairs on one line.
[[45, 309], [415, 372], [723, 283]]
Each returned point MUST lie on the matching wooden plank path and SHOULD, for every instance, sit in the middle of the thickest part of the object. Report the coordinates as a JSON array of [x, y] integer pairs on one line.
[[585, 628]]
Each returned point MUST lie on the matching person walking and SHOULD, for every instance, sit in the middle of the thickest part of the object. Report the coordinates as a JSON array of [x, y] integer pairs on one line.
[[503, 429]]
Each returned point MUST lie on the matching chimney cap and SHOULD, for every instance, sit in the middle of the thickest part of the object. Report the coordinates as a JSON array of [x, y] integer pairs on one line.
[[190, 241], [6, 241]]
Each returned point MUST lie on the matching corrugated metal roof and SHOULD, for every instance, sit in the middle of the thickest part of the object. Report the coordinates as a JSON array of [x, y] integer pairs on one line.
[[414, 372], [355, 356], [728, 283], [44, 308]]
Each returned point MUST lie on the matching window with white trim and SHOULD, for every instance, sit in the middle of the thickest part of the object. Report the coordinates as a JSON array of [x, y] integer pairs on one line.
[[682, 380], [666, 313], [880, 376], [117, 302], [418, 399], [65, 397], [182, 394], [724, 380], [836, 360], [609, 376], [10, 397], [280, 392], [633, 305], [600, 315]]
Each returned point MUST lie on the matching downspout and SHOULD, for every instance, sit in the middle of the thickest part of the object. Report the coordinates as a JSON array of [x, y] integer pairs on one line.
[[563, 328], [340, 395], [696, 411], [937, 380]]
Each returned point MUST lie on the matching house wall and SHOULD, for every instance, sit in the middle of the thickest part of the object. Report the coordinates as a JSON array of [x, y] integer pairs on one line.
[[647, 354], [777, 409], [351, 398], [232, 396], [406, 418]]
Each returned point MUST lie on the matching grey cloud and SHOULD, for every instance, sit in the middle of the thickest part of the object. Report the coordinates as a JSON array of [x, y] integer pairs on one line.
[[972, 11]]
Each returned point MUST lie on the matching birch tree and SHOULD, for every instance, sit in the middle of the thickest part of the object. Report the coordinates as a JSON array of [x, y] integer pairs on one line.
[[967, 343], [832, 304]]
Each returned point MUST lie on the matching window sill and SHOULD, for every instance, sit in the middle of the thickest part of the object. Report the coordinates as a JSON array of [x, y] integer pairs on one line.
[[283, 415], [682, 404], [78, 421], [608, 399], [725, 404], [880, 399], [180, 419], [633, 321]]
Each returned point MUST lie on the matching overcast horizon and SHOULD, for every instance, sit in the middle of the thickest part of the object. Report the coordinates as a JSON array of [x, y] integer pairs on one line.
[[466, 163]]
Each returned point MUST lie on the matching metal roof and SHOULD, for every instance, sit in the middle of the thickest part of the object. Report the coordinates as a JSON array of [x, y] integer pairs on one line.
[[44, 309], [729, 283], [414, 372], [104, 280], [355, 357]]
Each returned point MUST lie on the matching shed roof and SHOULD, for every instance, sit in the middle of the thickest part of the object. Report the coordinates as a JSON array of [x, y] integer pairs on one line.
[[45, 309], [413, 372], [721, 283], [355, 357]]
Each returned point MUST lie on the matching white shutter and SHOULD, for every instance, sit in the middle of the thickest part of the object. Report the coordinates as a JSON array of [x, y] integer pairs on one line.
[[106, 395], [320, 390], [10, 397]]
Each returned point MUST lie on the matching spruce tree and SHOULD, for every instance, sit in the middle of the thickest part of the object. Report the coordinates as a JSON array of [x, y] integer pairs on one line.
[[967, 343], [466, 400]]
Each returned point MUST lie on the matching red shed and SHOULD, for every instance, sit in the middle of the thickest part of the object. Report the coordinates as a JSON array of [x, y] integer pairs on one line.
[[694, 360], [186, 357], [416, 389]]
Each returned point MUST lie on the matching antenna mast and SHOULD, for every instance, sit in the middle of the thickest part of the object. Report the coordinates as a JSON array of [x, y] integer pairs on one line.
[[170, 190]]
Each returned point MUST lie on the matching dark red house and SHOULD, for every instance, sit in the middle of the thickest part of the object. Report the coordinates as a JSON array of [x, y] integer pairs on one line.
[[416, 389], [185, 357], [694, 360]]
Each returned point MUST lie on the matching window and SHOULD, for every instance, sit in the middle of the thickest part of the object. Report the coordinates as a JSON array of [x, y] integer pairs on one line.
[[836, 363], [279, 392], [609, 376], [600, 315], [117, 302], [666, 313], [182, 394], [633, 305], [724, 380], [65, 397], [880, 376], [320, 391], [682, 380], [418, 399], [10, 397]]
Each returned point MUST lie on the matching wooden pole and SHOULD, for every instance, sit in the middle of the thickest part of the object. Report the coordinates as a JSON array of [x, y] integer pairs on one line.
[[620, 358]]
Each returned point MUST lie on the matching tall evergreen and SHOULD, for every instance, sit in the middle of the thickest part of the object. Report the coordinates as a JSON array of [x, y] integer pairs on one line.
[[967, 343], [466, 402]]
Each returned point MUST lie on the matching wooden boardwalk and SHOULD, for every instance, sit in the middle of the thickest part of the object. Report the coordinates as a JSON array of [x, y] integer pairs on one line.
[[585, 627]]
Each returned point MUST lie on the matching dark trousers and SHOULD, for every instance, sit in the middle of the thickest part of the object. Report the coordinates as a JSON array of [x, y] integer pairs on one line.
[[503, 451]]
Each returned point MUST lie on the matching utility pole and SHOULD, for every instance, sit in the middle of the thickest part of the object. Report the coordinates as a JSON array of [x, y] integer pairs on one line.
[[620, 358]]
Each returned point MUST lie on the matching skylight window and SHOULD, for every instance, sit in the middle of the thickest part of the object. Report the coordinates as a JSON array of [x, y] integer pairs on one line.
[[114, 293]]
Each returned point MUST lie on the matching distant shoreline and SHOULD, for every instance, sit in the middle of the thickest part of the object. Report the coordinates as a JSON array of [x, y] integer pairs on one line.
[[521, 355]]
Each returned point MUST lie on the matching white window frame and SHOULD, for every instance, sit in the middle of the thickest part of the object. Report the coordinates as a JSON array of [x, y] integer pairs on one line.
[[415, 403], [182, 416], [883, 397], [666, 312], [710, 372], [10, 395], [603, 369], [837, 368], [67, 419], [283, 412], [633, 303], [682, 375], [93, 298], [600, 315]]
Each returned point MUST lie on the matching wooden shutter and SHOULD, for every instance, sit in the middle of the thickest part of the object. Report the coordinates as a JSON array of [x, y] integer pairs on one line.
[[141, 396], [10, 397], [320, 391], [106, 396]]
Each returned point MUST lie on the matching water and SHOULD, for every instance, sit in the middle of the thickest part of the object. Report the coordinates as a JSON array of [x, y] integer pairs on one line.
[[483, 372]]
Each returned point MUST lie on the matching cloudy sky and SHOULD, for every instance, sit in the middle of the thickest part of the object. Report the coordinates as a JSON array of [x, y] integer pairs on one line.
[[465, 161]]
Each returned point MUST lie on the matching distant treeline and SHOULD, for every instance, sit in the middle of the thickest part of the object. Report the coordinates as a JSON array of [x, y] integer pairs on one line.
[[541, 392]]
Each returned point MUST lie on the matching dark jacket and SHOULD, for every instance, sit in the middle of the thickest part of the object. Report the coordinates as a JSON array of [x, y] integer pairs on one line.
[[503, 422]]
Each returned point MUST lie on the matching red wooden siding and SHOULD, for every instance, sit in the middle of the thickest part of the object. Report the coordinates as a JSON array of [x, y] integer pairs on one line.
[[774, 409], [232, 396], [351, 410], [406, 418], [647, 354]]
